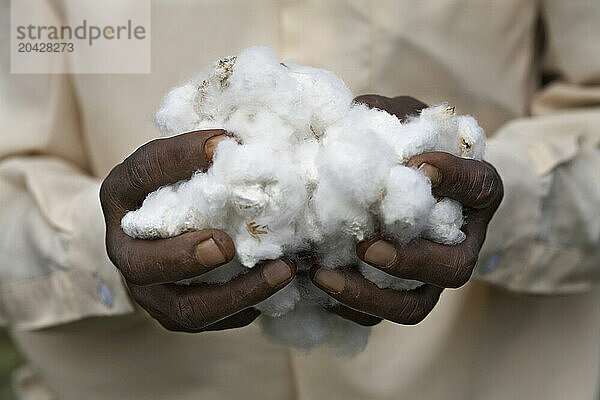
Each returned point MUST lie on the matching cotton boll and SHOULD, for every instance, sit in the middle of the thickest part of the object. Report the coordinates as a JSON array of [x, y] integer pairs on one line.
[[326, 95], [309, 325], [281, 302], [459, 135], [407, 203], [308, 171], [347, 338], [352, 177], [471, 138], [444, 223], [262, 182], [305, 156], [250, 250], [208, 103], [172, 210], [299, 291], [177, 114], [263, 83], [153, 220], [339, 249], [305, 327], [207, 199], [417, 136], [337, 214], [198, 203], [311, 294], [262, 127], [266, 194], [355, 166], [256, 241], [362, 120], [444, 117], [384, 280]]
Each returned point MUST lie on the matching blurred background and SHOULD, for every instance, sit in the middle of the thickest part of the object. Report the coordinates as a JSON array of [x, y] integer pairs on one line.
[[9, 362], [526, 69]]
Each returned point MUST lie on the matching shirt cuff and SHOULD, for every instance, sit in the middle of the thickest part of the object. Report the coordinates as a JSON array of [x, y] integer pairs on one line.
[[514, 256], [88, 286]]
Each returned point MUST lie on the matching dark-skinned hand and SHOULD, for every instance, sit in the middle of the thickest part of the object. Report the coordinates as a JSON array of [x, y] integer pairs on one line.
[[150, 267], [475, 184]]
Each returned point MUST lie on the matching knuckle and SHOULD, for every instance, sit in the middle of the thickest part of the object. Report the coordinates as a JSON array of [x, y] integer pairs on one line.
[[153, 164], [460, 278], [488, 186], [460, 175], [179, 254], [463, 268], [498, 194], [468, 259], [421, 306], [137, 172], [488, 183]]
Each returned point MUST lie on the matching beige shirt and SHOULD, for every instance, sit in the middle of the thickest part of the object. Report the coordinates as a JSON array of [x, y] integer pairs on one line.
[[495, 338]]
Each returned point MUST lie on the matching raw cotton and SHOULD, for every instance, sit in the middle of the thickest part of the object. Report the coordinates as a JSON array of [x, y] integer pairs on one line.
[[310, 170]]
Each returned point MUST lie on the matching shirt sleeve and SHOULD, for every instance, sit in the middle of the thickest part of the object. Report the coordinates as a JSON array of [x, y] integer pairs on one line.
[[545, 237], [53, 265]]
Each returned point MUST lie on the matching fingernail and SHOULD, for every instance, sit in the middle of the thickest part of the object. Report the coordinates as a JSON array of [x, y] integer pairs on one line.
[[209, 253], [432, 173], [276, 272], [331, 280], [211, 145], [381, 253]]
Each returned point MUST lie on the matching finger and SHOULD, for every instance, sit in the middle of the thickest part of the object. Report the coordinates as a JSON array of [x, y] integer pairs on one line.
[[350, 288], [427, 261], [155, 164], [353, 315], [405, 106], [473, 183], [148, 262], [198, 306], [238, 320], [401, 106], [164, 320]]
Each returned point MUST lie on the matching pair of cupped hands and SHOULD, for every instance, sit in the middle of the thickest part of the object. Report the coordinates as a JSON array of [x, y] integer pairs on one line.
[[150, 267]]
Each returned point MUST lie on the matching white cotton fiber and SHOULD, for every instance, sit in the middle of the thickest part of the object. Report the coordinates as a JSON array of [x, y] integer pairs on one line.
[[406, 204], [444, 222], [308, 170]]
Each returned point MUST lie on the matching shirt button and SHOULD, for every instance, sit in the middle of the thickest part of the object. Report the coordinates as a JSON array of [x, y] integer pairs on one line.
[[104, 295]]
